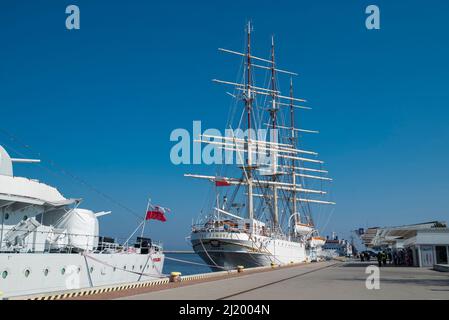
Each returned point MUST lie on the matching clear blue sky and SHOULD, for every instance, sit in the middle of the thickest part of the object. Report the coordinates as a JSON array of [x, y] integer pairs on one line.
[[102, 101]]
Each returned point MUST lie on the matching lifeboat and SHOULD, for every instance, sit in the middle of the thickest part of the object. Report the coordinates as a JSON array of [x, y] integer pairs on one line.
[[317, 241], [303, 229]]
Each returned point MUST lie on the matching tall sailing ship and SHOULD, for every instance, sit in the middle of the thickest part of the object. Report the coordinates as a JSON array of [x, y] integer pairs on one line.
[[261, 211], [49, 243]]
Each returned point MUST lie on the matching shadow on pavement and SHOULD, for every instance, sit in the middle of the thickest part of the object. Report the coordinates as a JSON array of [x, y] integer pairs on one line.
[[371, 263], [408, 281]]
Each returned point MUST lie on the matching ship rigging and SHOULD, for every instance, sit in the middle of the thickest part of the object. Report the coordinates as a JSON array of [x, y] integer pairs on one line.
[[275, 180]]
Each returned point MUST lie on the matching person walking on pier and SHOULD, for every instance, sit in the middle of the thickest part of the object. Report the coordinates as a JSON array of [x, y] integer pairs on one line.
[[379, 259], [395, 258], [367, 257], [384, 258]]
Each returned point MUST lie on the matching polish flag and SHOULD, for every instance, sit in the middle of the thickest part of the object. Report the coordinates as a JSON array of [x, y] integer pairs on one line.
[[222, 183], [158, 213]]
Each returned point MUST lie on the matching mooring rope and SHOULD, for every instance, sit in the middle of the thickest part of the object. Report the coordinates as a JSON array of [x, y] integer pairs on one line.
[[216, 265], [196, 263], [161, 275]]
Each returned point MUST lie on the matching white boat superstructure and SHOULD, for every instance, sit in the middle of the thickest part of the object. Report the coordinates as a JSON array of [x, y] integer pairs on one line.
[[262, 214], [48, 243]]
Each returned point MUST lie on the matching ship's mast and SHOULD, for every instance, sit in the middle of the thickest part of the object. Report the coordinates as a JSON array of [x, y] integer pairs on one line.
[[293, 142], [248, 103], [273, 114]]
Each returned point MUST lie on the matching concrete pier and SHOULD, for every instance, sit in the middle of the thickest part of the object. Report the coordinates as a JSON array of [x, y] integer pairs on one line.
[[326, 280], [323, 280]]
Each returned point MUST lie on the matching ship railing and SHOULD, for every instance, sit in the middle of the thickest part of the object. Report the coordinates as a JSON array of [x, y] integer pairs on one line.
[[158, 245], [154, 246], [212, 228], [205, 227], [54, 241]]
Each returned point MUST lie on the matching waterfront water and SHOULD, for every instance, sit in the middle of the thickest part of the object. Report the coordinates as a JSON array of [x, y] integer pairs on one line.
[[184, 268]]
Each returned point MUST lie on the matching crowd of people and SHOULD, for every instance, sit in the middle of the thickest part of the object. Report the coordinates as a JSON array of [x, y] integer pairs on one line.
[[392, 257]]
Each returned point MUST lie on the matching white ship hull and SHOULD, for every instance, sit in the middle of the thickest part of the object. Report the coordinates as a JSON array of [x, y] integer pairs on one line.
[[229, 250], [48, 243], [24, 273]]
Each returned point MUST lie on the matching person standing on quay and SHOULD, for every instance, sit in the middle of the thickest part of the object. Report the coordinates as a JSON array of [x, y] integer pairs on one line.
[[379, 259], [384, 258]]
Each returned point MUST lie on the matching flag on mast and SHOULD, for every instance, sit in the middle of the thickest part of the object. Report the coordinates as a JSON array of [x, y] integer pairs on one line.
[[221, 183], [158, 213]]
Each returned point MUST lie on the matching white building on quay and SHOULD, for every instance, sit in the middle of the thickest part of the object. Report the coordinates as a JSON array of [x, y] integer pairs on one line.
[[421, 245]]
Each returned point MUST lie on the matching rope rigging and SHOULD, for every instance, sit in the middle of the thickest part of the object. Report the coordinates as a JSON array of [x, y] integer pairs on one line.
[[60, 170]]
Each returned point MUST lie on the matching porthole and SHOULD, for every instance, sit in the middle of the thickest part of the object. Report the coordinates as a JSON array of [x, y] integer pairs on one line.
[[63, 271], [25, 218], [140, 267], [79, 269], [27, 273], [124, 267], [4, 274], [114, 269], [46, 272], [6, 216], [91, 269], [133, 267]]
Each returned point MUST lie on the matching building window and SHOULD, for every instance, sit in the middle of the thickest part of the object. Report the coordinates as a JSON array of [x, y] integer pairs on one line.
[[6, 216]]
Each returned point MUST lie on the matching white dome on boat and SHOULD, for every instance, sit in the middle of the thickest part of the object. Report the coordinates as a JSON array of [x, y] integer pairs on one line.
[[81, 226], [5, 163]]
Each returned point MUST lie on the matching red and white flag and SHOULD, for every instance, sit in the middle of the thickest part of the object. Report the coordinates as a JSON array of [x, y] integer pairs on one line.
[[221, 183], [158, 213]]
